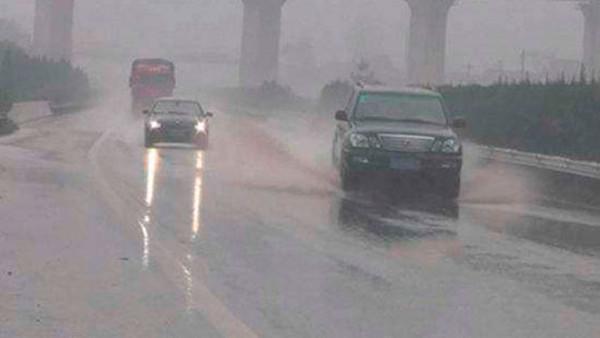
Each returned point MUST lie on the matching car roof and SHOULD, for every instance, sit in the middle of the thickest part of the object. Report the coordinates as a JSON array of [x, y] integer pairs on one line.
[[175, 99], [410, 90], [153, 60]]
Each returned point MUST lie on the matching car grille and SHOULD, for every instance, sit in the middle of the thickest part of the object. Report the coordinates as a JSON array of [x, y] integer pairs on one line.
[[179, 125], [406, 143]]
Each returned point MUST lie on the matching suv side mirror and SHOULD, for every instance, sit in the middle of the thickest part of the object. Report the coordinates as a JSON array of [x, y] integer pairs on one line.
[[459, 123], [146, 112], [209, 114], [341, 115]]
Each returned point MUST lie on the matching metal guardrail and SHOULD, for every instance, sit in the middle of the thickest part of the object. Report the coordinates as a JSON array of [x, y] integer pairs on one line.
[[556, 163], [68, 107], [24, 112]]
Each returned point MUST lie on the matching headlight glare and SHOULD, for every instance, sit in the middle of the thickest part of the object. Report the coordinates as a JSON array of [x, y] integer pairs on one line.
[[201, 127], [153, 124]]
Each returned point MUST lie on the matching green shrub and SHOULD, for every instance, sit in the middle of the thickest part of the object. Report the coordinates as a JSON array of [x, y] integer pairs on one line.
[[27, 78], [556, 118], [5, 102]]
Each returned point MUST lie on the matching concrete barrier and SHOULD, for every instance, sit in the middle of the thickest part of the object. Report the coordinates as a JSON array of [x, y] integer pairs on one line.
[[29, 111]]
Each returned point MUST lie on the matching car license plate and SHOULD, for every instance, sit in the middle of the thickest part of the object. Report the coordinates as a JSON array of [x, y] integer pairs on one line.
[[405, 163], [177, 133]]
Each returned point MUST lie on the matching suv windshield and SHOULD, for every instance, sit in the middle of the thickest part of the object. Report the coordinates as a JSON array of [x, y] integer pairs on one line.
[[177, 107], [400, 107]]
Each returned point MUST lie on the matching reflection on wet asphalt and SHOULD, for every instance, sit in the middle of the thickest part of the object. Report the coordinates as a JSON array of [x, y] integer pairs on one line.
[[554, 227], [240, 217], [389, 220], [248, 239], [406, 221]]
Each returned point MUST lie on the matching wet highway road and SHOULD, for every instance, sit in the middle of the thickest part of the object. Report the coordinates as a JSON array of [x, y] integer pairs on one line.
[[100, 237]]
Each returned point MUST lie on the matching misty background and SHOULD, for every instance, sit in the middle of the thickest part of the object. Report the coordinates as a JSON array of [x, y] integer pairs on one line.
[[321, 39]]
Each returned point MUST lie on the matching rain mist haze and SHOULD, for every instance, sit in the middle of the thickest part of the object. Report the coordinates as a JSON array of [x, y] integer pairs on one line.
[[321, 40], [245, 187]]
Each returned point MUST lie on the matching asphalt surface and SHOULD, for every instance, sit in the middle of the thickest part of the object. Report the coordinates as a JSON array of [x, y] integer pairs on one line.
[[100, 237]]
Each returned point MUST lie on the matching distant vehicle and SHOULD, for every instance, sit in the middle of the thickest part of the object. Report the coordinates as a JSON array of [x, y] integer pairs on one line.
[[398, 133], [173, 120], [149, 80]]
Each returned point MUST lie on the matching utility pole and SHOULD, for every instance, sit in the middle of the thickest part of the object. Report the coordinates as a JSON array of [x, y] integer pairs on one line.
[[469, 70], [523, 59]]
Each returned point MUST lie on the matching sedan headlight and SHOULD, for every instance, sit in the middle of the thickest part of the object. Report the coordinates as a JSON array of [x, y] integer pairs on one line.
[[154, 124], [201, 127], [358, 140], [450, 146]]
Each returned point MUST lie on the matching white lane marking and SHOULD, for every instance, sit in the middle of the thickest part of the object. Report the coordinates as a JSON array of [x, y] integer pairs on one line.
[[146, 242], [201, 298], [216, 312], [152, 162], [197, 201]]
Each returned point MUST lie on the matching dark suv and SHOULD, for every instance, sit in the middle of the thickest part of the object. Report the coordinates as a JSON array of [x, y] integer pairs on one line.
[[398, 132]]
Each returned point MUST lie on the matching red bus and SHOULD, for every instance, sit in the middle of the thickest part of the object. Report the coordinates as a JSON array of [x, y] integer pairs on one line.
[[149, 80]]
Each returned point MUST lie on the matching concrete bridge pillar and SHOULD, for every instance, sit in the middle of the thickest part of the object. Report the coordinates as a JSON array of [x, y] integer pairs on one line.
[[53, 29], [591, 37], [427, 40], [259, 60]]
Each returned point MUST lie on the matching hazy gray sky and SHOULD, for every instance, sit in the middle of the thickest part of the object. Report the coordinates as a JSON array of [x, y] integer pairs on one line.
[[480, 32]]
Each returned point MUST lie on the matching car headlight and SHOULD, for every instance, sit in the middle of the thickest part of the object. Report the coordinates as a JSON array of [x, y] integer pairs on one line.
[[201, 127], [154, 124], [450, 146], [358, 140]]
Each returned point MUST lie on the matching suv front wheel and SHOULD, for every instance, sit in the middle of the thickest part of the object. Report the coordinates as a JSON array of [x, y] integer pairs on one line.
[[449, 187], [148, 139], [349, 179]]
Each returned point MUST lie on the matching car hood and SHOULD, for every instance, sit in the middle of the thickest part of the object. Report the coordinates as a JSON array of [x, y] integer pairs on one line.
[[411, 128]]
